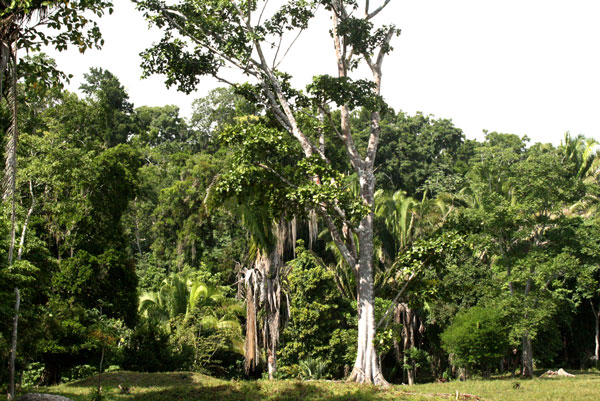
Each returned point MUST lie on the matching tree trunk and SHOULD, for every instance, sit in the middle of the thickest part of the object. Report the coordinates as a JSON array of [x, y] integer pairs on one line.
[[527, 356], [597, 331], [366, 367], [10, 178], [137, 227], [13, 347], [271, 363], [410, 375]]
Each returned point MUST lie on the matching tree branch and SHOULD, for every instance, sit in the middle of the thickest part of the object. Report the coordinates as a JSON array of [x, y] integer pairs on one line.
[[272, 170], [377, 10], [339, 242]]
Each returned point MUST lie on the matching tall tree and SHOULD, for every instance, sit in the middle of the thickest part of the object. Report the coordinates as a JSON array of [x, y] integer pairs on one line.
[[111, 118], [419, 153], [522, 230], [20, 28], [249, 37]]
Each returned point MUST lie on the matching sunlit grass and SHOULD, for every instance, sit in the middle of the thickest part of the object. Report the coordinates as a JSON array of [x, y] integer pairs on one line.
[[584, 387], [197, 387]]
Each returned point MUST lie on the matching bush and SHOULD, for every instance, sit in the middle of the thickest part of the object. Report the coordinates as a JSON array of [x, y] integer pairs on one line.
[[33, 373], [478, 337], [149, 350], [314, 369], [79, 372], [321, 321]]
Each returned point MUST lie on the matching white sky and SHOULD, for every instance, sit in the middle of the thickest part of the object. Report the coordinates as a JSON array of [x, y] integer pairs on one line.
[[528, 67]]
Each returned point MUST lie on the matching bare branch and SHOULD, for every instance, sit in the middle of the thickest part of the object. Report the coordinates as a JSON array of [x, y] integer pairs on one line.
[[275, 64], [279, 114], [385, 44], [377, 10], [262, 12], [289, 48], [305, 142]]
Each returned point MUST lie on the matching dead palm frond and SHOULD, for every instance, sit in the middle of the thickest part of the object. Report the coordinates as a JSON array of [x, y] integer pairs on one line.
[[267, 302]]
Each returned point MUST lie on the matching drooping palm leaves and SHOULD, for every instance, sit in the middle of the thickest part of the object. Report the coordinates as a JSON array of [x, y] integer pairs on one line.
[[267, 303], [581, 151], [193, 303], [584, 153], [168, 302]]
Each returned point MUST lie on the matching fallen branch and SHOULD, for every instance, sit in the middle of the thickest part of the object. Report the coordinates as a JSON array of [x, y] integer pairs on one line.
[[559, 372]]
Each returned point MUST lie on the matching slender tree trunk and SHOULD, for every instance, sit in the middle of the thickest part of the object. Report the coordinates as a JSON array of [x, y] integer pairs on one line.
[[13, 347], [597, 331], [410, 375], [527, 356], [26, 223], [272, 363], [137, 228], [10, 193]]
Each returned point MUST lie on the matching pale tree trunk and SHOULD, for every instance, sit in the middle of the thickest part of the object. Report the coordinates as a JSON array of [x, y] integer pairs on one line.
[[367, 368], [272, 363], [597, 331], [13, 348], [137, 227], [527, 356]]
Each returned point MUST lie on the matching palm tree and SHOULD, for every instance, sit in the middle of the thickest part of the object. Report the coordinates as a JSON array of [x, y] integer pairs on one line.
[[404, 220], [168, 302], [582, 152], [186, 304], [10, 27], [267, 304]]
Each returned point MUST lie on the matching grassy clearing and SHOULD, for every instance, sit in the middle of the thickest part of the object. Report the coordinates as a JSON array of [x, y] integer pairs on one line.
[[183, 386], [584, 387], [196, 387]]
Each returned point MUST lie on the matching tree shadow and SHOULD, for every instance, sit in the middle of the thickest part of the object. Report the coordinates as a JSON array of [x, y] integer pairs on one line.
[[137, 379], [184, 386]]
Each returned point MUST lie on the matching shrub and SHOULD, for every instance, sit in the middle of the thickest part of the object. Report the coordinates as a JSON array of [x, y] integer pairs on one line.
[[477, 338], [79, 372], [149, 350]]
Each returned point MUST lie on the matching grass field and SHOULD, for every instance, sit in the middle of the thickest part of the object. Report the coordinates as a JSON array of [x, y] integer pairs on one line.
[[196, 387]]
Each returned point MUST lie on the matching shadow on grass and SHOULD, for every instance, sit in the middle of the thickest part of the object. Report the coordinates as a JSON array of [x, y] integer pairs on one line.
[[136, 379], [215, 390]]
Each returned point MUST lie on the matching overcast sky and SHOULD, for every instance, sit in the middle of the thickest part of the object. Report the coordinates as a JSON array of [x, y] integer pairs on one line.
[[528, 67]]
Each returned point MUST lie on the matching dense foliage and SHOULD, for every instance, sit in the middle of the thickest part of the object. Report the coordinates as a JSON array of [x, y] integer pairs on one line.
[[126, 212], [148, 241]]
